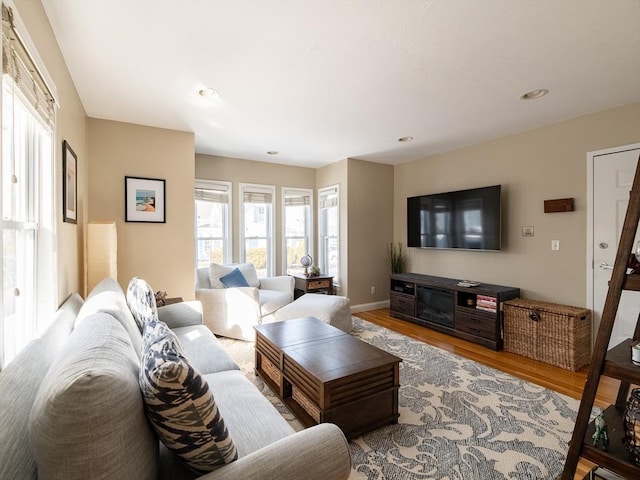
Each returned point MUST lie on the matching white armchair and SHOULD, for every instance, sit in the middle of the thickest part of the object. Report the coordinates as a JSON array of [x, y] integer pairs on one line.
[[233, 312]]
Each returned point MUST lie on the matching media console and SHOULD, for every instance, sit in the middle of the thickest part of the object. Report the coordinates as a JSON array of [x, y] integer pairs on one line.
[[473, 313]]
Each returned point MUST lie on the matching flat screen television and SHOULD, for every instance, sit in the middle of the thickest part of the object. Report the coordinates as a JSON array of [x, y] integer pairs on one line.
[[465, 219]]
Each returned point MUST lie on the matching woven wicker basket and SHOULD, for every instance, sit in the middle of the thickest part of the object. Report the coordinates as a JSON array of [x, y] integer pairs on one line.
[[306, 403], [271, 370], [556, 334]]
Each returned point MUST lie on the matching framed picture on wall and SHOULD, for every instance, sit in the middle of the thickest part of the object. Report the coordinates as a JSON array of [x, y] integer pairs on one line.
[[69, 184], [144, 200]]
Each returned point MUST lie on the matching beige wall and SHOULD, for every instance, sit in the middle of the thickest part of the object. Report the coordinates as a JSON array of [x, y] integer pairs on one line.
[[370, 229], [542, 164], [238, 171], [161, 253], [71, 126]]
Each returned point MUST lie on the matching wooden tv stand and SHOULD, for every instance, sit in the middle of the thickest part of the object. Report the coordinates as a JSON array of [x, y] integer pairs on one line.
[[473, 313]]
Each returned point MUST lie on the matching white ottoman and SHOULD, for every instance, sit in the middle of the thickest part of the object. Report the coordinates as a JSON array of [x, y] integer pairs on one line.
[[332, 309]]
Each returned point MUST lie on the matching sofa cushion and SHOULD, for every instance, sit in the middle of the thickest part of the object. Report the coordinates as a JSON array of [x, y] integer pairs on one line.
[[87, 420], [247, 269], [272, 300], [108, 297], [203, 349], [251, 419], [240, 401], [179, 403], [234, 279], [141, 301]]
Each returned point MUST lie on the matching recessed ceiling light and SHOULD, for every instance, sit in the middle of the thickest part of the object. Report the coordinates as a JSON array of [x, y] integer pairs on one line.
[[273, 152], [533, 94], [208, 93], [405, 139]]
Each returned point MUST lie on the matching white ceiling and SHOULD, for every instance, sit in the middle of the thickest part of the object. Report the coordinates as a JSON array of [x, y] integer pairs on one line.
[[321, 81]]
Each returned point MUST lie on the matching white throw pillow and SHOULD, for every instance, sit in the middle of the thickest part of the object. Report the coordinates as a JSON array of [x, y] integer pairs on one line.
[[247, 269], [249, 273], [216, 271]]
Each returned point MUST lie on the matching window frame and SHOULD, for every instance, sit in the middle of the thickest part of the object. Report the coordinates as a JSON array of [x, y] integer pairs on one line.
[[271, 219], [41, 153], [309, 230], [323, 255], [227, 239]]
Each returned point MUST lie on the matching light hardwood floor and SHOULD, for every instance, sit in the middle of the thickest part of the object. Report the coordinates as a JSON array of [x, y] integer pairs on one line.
[[548, 376]]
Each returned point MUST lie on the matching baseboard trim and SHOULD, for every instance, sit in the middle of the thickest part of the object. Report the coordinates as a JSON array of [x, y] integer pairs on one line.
[[364, 307]]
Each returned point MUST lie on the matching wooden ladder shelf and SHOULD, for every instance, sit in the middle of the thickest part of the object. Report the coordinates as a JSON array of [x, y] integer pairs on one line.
[[615, 363]]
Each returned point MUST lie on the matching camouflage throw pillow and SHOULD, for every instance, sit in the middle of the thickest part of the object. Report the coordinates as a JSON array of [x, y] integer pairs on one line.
[[179, 403]]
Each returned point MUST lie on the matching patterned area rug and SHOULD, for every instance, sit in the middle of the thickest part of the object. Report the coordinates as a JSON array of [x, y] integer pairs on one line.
[[458, 419]]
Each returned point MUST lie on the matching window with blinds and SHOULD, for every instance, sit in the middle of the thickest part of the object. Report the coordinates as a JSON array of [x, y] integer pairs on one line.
[[257, 227], [213, 222], [328, 231], [27, 176], [297, 226]]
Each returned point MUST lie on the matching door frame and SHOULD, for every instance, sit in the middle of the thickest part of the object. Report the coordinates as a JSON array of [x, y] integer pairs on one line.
[[590, 253]]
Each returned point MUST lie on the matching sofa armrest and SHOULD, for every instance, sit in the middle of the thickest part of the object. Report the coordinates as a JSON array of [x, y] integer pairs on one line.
[[183, 314], [230, 312], [317, 453], [283, 283]]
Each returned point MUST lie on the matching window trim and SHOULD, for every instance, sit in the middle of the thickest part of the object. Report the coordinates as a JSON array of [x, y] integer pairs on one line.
[[309, 227], [46, 269], [228, 241], [271, 233], [322, 261]]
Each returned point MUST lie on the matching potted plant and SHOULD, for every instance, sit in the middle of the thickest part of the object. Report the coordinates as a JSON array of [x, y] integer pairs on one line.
[[396, 257]]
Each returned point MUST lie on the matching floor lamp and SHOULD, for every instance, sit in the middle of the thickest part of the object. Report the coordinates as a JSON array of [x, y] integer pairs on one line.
[[102, 252]]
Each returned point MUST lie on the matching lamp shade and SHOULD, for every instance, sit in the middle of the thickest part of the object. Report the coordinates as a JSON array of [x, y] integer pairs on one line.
[[102, 252]]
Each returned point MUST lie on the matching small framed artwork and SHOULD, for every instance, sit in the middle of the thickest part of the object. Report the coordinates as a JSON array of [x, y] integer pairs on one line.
[[144, 200], [69, 184]]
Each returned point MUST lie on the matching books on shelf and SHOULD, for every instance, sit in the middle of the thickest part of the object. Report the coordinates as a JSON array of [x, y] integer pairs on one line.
[[487, 303]]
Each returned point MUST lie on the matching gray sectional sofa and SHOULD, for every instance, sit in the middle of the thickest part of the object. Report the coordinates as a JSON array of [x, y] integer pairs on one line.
[[71, 407]]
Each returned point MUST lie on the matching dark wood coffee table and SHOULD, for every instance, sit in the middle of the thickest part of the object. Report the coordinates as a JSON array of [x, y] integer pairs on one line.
[[325, 375]]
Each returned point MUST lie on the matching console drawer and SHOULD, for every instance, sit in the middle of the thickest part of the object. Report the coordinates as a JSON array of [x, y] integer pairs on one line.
[[476, 325], [402, 304]]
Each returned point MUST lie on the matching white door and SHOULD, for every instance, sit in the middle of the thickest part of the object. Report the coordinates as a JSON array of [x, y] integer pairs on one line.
[[612, 176]]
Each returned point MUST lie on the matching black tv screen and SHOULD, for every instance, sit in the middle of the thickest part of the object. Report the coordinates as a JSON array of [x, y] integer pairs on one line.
[[466, 219]]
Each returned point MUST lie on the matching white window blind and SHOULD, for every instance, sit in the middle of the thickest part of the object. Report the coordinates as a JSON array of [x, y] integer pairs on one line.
[[25, 74], [328, 197], [297, 198], [211, 195], [257, 196]]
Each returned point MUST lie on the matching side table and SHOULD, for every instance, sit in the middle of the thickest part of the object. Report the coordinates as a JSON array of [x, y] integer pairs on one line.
[[172, 300], [317, 284]]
